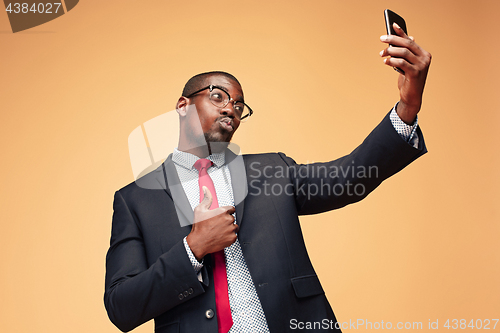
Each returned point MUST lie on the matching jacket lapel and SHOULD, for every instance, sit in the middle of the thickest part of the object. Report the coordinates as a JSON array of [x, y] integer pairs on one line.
[[168, 179], [238, 181]]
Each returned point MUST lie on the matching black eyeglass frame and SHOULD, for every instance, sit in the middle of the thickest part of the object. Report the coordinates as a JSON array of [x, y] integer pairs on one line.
[[211, 88]]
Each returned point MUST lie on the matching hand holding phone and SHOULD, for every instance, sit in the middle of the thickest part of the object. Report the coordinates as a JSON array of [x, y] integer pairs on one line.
[[390, 19], [404, 53]]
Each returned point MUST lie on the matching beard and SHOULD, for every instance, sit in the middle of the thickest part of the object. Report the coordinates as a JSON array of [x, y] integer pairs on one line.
[[216, 143], [218, 133], [218, 138]]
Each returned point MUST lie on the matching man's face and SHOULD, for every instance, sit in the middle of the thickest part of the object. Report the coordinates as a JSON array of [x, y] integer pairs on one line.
[[218, 124]]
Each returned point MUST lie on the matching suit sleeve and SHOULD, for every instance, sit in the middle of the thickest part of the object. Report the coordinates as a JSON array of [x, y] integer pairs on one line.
[[321, 187], [135, 291]]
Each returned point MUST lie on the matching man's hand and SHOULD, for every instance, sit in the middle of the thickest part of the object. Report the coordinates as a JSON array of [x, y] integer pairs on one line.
[[212, 230], [414, 61]]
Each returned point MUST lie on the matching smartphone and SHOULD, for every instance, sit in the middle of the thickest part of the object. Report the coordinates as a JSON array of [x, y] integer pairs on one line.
[[390, 18]]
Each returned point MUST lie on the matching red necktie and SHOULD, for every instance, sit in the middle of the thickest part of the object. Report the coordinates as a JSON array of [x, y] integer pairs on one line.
[[224, 318]]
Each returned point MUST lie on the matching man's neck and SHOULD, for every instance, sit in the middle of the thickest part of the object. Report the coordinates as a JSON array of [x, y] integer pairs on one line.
[[201, 152]]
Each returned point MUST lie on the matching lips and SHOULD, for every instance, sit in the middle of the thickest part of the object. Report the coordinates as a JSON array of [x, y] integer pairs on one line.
[[227, 124]]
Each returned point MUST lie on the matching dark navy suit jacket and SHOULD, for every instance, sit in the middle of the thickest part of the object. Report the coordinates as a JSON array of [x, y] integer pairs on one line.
[[148, 272]]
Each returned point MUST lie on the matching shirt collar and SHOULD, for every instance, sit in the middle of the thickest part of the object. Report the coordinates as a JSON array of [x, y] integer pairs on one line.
[[187, 160]]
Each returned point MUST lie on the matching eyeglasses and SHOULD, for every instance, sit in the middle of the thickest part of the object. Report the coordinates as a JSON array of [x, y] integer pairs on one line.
[[220, 98]]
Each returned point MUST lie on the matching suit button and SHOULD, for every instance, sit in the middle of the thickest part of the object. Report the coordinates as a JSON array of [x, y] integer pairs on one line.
[[190, 291], [181, 296], [209, 313], [186, 294]]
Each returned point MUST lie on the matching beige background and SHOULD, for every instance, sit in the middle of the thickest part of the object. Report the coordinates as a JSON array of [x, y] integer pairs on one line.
[[422, 246]]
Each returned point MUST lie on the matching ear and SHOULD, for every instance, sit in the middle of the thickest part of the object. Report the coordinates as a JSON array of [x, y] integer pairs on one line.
[[181, 106]]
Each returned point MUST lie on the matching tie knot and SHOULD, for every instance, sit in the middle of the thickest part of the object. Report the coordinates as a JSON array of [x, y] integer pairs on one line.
[[202, 163]]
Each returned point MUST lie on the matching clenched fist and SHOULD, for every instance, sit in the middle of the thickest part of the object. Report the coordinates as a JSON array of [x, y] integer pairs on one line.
[[212, 230]]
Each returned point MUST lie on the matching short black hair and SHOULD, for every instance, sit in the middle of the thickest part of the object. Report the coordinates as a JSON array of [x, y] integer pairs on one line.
[[198, 81]]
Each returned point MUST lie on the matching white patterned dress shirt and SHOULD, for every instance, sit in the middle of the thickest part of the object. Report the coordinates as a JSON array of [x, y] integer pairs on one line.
[[246, 310]]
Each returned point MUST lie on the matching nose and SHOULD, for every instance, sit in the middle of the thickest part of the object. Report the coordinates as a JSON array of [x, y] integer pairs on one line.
[[228, 110]]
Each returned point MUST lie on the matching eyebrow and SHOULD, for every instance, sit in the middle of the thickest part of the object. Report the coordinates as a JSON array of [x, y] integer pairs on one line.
[[239, 98]]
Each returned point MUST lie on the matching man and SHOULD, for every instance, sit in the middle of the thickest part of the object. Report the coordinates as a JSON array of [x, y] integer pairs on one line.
[[196, 252]]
